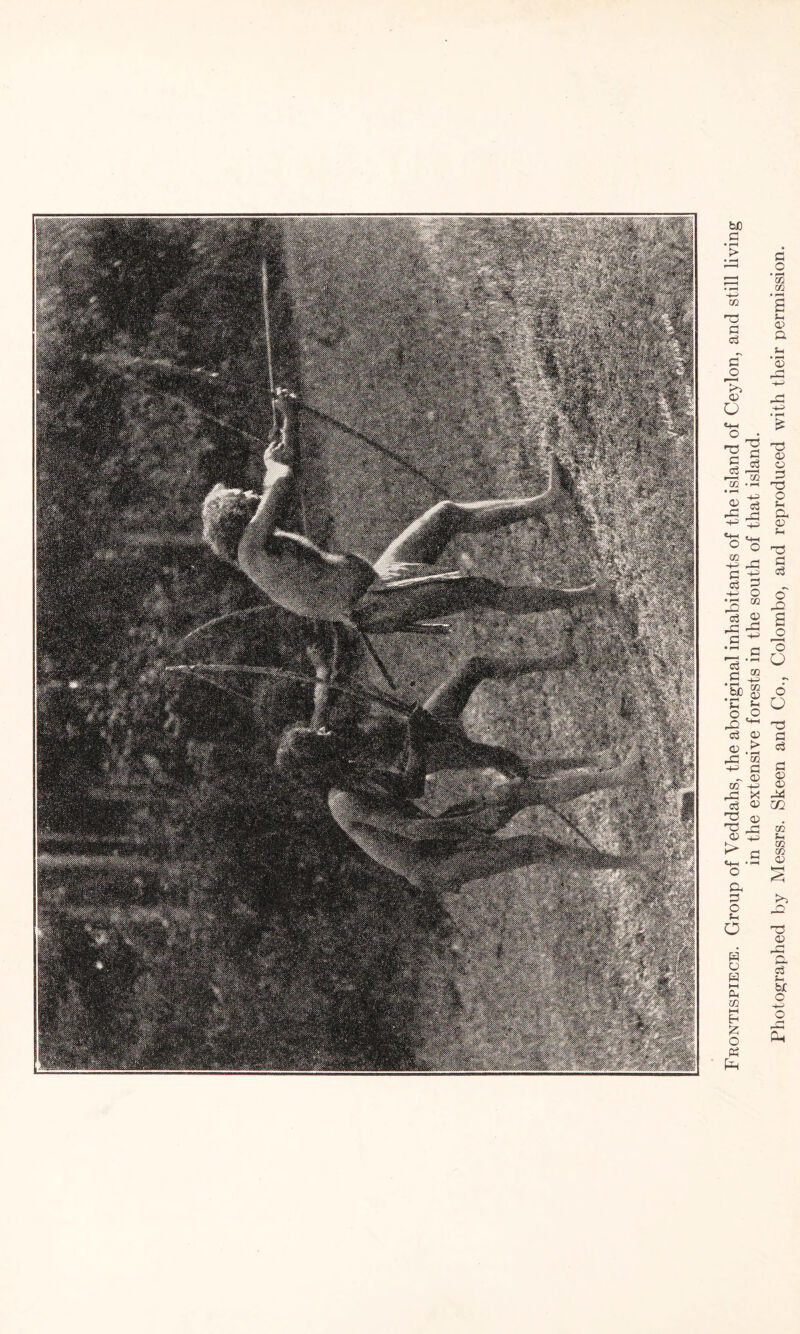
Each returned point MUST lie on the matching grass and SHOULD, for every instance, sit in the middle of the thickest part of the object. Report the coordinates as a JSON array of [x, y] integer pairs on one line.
[[472, 345]]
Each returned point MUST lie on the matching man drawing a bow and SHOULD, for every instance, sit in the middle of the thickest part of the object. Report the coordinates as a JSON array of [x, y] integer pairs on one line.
[[401, 589]]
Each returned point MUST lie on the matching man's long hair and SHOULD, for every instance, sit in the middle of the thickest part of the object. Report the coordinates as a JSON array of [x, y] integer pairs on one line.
[[310, 758], [323, 760], [226, 513]]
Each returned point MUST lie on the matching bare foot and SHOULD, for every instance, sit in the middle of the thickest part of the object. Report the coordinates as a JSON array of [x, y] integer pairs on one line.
[[600, 592], [647, 860], [560, 661], [604, 589], [603, 759], [630, 769], [562, 485]]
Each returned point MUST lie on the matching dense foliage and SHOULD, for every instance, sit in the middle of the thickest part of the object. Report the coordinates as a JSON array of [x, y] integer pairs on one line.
[[192, 912]]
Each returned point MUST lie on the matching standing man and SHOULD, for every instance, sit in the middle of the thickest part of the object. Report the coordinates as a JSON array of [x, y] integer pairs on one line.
[[401, 589]]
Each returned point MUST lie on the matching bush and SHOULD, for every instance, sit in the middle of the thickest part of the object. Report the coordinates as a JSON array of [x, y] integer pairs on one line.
[[266, 940]]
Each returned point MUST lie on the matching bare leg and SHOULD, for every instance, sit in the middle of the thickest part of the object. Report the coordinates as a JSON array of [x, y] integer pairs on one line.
[[426, 538], [506, 762], [451, 698], [534, 598], [554, 764], [455, 749], [429, 599], [501, 669], [572, 783], [495, 812], [494, 855]]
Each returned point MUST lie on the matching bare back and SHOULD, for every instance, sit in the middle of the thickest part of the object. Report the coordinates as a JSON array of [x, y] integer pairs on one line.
[[355, 815], [303, 579]]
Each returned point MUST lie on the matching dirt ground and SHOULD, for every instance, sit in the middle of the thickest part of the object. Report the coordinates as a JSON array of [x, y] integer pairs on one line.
[[473, 347]]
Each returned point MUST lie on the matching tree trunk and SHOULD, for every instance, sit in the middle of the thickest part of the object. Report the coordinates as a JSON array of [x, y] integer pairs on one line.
[[104, 864], [75, 840]]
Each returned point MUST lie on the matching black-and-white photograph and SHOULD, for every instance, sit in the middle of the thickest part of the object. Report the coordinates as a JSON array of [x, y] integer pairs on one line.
[[365, 643]]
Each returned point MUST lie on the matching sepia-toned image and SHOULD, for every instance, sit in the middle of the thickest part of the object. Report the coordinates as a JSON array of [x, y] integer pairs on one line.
[[366, 645]]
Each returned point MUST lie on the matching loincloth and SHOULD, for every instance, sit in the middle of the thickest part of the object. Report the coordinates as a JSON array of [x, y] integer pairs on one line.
[[396, 601]]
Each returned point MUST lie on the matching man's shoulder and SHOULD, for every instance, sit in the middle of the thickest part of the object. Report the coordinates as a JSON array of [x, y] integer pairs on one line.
[[341, 805], [252, 552], [258, 547]]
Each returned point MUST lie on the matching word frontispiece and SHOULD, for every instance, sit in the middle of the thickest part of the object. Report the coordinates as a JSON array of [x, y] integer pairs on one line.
[[750, 910], [635, 1204]]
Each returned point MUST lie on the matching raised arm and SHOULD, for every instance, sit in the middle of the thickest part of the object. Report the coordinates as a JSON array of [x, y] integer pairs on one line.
[[277, 486], [321, 687], [407, 782], [415, 765]]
